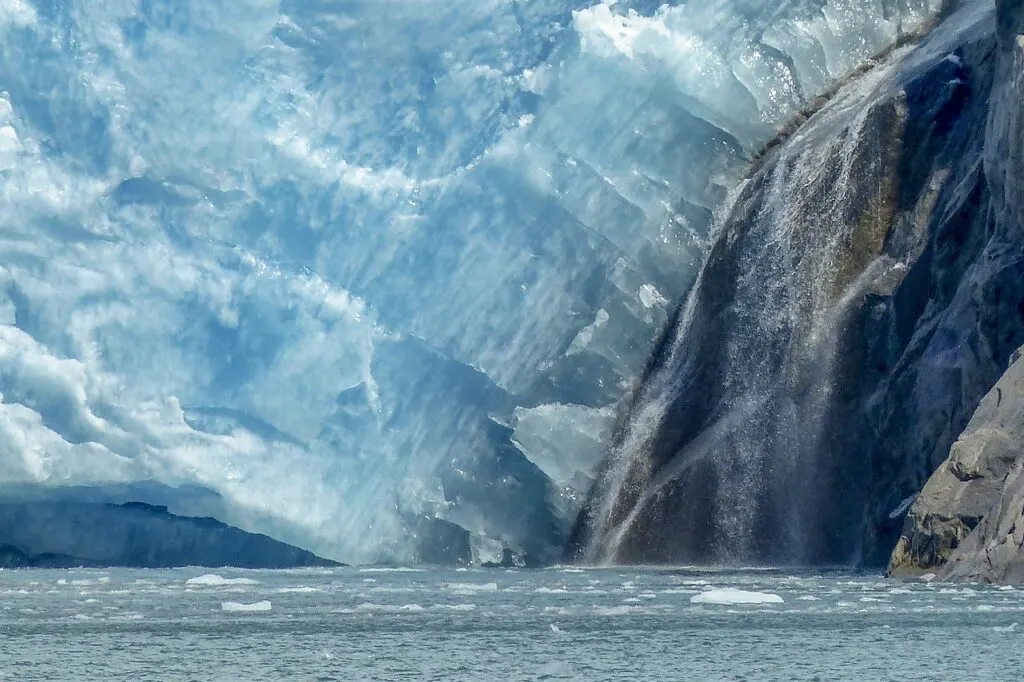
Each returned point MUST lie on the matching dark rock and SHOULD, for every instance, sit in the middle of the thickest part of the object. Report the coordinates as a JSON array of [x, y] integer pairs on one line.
[[65, 534]]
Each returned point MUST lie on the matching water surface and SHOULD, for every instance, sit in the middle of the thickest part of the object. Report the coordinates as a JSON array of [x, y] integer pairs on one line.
[[554, 624]]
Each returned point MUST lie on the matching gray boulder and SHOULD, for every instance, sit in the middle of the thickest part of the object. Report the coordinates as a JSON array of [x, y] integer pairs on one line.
[[968, 522]]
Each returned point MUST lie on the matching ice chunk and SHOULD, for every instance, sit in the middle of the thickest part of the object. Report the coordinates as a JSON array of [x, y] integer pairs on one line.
[[214, 580], [733, 596], [237, 607]]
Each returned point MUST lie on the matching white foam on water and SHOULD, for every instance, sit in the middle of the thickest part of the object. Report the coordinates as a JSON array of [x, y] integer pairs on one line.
[[623, 610], [392, 569], [455, 607], [299, 590], [551, 590], [214, 580], [237, 607], [1005, 628], [732, 596], [807, 597]]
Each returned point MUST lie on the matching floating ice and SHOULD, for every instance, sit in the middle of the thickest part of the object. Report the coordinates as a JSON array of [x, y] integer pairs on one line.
[[732, 596], [214, 580], [472, 587], [255, 607]]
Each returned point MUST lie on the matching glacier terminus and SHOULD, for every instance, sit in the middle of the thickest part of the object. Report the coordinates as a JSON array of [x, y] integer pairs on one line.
[[372, 278]]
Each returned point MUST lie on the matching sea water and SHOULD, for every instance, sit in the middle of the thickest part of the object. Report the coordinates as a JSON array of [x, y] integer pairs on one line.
[[497, 624]]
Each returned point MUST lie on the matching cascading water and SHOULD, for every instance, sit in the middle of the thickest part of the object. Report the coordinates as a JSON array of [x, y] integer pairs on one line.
[[754, 470], [353, 268], [754, 437]]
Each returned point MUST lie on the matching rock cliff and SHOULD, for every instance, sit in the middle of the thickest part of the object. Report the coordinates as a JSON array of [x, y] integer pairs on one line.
[[968, 522]]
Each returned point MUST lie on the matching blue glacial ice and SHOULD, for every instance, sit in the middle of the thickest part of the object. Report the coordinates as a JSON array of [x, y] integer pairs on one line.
[[350, 264]]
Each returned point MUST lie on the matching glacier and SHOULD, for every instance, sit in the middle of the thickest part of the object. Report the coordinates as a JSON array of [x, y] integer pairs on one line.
[[357, 269]]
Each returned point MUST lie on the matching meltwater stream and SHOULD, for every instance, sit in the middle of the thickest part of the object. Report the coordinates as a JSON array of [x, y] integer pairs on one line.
[[555, 624]]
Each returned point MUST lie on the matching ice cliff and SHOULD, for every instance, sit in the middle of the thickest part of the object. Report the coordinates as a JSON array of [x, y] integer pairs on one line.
[[373, 274]]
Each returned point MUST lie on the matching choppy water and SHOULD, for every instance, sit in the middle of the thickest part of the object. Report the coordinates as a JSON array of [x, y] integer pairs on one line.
[[555, 624]]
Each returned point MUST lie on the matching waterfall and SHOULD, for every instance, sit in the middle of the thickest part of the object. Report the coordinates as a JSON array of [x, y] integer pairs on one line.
[[748, 442]]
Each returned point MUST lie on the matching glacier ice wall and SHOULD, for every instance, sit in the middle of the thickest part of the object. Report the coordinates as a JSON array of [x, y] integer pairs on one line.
[[353, 264]]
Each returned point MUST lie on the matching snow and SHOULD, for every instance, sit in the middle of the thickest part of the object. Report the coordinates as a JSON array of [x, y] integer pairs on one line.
[[732, 596], [337, 270]]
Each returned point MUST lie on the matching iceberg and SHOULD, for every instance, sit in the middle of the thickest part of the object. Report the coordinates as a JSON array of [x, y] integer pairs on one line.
[[730, 596], [370, 273]]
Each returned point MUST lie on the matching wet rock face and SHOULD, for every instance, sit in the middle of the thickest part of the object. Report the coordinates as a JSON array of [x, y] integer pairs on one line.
[[865, 293], [968, 522]]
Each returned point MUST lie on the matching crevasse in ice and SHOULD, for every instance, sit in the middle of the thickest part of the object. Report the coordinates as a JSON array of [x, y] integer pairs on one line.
[[351, 264]]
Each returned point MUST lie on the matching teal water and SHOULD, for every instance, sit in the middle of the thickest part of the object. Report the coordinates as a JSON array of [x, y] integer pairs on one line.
[[554, 624]]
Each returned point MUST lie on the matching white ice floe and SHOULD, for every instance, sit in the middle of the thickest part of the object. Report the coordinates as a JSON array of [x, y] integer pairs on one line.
[[236, 607], [472, 587], [731, 596], [214, 580]]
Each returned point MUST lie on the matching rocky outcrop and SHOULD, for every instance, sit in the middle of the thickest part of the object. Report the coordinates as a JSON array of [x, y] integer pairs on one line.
[[864, 294], [968, 521], [65, 534]]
